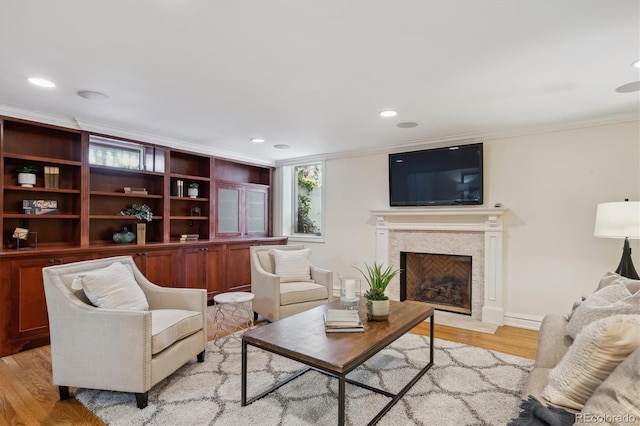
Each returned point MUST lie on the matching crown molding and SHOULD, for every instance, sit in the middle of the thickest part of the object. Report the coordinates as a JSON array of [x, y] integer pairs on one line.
[[462, 138]]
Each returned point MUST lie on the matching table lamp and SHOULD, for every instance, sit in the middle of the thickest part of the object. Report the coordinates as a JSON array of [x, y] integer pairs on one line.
[[620, 220]]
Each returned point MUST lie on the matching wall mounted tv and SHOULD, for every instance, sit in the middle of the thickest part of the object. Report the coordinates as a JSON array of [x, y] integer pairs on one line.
[[436, 177]]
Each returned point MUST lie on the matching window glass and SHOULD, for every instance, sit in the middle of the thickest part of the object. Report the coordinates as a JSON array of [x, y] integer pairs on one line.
[[113, 153], [308, 198]]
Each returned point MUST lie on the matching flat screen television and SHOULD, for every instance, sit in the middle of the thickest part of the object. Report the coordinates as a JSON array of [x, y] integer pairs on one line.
[[436, 177]]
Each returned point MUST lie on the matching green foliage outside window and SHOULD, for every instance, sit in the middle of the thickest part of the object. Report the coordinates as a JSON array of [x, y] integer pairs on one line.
[[309, 178]]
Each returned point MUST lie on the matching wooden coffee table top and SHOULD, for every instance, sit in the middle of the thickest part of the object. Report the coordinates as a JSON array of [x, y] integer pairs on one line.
[[302, 337]]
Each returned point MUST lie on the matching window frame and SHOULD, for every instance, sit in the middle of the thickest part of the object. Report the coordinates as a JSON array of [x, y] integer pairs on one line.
[[290, 201]]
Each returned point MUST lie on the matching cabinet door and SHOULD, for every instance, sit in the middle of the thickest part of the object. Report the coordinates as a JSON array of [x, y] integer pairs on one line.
[[28, 305], [160, 266], [238, 267], [229, 198], [257, 211], [203, 269]]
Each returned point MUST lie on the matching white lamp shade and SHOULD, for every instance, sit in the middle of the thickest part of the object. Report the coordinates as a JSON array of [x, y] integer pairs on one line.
[[618, 220]]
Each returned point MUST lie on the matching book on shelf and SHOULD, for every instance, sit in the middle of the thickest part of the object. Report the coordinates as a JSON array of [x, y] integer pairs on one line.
[[51, 177], [189, 237], [134, 190], [342, 321]]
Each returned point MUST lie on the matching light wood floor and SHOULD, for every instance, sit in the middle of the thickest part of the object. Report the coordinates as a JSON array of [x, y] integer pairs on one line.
[[27, 396]]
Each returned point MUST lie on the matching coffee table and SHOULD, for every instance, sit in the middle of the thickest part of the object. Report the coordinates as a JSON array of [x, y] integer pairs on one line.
[[302, 338]]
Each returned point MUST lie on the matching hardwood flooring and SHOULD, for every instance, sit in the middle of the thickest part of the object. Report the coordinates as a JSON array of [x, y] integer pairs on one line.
[[27, 396]]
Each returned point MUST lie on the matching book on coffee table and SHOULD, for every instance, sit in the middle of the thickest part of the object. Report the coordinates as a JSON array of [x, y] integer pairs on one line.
[[342, 321]]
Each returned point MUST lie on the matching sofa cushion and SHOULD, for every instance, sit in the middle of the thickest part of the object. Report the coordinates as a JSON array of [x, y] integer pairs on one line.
[[170, 325], [596, 351], [292, 265], [611, 278], [113, 287], [303, 291], [619, 394], [610, 300], [553, 342]]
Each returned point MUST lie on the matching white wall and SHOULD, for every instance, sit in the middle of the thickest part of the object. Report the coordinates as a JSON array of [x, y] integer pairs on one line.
[[551, 184]]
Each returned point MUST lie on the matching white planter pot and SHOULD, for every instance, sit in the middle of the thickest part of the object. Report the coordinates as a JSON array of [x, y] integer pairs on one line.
[[377, 310], [192, 192], [27, 180]]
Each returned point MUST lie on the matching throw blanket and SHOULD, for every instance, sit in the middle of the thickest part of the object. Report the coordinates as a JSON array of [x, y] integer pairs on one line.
[[533, 413]]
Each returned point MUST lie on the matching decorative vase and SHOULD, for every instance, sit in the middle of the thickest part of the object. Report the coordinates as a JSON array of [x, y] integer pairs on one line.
[[141, 231], [193, 192], [28, 180], [124, 237], [377, 310]]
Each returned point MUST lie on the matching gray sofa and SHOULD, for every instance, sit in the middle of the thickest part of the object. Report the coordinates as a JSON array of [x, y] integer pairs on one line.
[[553, 344]]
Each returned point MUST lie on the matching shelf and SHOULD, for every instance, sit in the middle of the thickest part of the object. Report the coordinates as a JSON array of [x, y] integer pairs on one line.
[[41, 189], [189, 177], [189, 218], [47, 160], [40, 216], [122, 194], [119, 217], [177, 198]]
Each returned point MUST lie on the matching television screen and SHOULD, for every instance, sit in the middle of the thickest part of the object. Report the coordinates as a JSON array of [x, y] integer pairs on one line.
[[436, 177]]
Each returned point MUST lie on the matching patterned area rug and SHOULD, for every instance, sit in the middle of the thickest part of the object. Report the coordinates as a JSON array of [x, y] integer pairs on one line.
[[466, 386]]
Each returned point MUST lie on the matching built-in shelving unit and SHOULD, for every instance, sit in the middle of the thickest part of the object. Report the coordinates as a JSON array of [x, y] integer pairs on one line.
[[89, 199]]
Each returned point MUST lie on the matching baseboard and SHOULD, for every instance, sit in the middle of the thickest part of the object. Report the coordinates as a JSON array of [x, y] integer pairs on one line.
[[529, 322]]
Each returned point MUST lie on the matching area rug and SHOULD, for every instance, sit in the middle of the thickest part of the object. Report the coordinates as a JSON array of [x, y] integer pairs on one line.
[[466, 386]]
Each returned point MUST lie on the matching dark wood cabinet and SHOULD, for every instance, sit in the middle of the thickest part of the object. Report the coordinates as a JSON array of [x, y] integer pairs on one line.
[[89, 196], [238, 267], [203, 268], [28, 322]]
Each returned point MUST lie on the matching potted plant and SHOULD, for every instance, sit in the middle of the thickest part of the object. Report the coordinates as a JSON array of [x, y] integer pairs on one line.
[[27, 176], [378, 279], [141, 212], [193, 190]]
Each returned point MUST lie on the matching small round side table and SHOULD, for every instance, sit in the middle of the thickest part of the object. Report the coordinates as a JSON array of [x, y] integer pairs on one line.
[[231, 311]]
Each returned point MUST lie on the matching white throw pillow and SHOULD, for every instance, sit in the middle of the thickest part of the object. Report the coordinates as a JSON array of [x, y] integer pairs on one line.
[[292, 265], [610, 300], [619, 394], [114, 287], [595, 353]]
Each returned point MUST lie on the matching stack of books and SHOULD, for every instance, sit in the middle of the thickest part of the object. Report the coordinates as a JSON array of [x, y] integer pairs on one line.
[[133, 190], [342, 321], [51, 177], [189, 237]]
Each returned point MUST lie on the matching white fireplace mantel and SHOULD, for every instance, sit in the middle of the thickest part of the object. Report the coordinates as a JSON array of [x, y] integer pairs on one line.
[[453, 219]]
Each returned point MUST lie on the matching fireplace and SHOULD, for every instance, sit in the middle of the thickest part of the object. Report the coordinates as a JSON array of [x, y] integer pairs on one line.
[[442, 280], [467, 231]]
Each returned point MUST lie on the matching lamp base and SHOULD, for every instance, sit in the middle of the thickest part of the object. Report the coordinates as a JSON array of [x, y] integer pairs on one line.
[[625, 268]]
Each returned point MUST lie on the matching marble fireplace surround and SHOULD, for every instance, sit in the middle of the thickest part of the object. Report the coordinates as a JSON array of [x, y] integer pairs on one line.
[[470, 231]]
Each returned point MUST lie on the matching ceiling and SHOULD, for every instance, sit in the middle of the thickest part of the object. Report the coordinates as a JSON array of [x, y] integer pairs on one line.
[[210, 75]]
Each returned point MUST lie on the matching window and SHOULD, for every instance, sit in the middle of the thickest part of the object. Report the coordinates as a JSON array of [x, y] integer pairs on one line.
[[114, 153], [302, 201], [307, 214]]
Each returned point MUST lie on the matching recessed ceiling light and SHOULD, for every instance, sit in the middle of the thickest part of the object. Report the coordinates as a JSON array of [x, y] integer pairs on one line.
[[407, 125], [93, 96], [41, 82], [634, 86], [281, 146], [257, 140], [636, 63], [388, 113]]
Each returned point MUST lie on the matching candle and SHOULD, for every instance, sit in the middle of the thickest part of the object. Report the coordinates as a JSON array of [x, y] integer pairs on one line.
[[350, 289]]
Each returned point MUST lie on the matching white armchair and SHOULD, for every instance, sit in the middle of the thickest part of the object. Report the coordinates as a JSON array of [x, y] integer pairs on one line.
[[285, 283], [126, 349]]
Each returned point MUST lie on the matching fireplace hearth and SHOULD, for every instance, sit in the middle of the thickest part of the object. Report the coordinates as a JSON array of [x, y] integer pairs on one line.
[[442, 280]]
